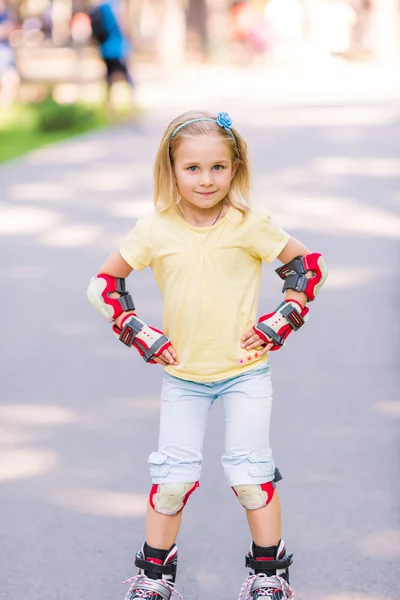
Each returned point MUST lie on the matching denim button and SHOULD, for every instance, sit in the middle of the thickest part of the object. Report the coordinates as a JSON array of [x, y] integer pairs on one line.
[[253, 455]]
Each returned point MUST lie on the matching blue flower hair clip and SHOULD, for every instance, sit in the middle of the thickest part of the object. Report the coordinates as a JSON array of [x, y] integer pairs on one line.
[[223, 120]]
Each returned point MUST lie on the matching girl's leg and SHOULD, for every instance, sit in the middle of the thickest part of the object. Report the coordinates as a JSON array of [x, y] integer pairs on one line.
[[248, 464], [265, 523], [161, 530], [248, 461], [248, 456], [174, 467], [185, 406]]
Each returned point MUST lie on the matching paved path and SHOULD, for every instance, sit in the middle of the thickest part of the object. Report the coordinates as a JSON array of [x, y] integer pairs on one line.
[[78, 413]]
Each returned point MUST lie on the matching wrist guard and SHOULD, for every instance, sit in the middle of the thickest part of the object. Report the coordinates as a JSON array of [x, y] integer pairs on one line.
[[295, 272], [99, 291], [149, 342], [275, 327]]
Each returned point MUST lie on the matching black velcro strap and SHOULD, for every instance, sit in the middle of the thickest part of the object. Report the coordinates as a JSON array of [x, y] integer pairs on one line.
[[277, 475], [126, 302], [295, 266], [268, 331], [150, 567], [125, 299], [294, 275], [292, 315], [121, 288], [130, 331], [282, 563], [295, 282], [148, 355]]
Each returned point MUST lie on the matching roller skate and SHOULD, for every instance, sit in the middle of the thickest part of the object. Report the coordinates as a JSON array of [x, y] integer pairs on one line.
[[269, 577], [157, 573]]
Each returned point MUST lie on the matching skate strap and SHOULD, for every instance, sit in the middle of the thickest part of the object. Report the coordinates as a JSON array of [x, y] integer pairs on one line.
[[272, 565], [151, 567]]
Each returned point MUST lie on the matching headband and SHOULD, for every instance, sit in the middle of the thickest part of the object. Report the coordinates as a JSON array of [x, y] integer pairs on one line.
[[223, 120]]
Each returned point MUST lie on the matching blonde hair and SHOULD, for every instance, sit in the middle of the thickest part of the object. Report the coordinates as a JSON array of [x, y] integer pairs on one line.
[[166, 193]]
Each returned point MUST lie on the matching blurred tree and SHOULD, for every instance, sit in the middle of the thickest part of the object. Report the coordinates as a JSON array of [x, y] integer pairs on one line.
[[218, 26], [196, 20]]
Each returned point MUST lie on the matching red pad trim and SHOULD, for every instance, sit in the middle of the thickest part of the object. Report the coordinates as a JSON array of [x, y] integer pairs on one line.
[[299, 304], [128, 316], [194, 487], [111, 287], [269, 489], [311, 263], [154, 489]]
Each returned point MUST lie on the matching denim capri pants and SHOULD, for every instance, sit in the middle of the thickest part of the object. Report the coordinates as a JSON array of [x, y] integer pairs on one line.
[[185, 405]]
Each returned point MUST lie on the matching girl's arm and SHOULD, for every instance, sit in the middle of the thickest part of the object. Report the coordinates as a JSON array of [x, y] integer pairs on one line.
[[272, 329], [116, 266], [109, 286]]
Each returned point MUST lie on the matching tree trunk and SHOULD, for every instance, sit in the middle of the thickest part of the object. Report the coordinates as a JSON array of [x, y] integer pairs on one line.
[[218, 26], [197, 26]]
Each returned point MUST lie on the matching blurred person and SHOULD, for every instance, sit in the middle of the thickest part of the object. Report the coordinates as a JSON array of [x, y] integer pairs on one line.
[[109, 21], [206, 247], [81, 30], [9, 77], [47, 22]]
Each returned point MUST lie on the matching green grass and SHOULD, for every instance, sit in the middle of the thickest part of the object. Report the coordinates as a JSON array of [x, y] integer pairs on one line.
[[26, 127], [16, 143]]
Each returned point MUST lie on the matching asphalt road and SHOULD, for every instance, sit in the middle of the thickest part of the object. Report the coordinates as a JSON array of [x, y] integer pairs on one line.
[[79, 413]]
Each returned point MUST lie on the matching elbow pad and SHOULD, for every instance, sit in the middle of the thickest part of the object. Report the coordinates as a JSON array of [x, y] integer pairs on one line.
[[99, 291], [295, 272]]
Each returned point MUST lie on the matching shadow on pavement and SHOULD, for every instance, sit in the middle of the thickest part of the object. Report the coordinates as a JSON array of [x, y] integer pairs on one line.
[[79, 413]]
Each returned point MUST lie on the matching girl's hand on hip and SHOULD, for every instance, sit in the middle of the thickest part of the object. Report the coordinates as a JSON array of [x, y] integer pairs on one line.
[[252, 340], [168, 357]]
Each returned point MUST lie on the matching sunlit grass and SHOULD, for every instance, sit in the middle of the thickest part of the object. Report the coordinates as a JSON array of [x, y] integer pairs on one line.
[[27, 127]]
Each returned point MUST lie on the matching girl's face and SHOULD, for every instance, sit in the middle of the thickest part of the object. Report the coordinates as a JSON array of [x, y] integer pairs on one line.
[[203, 170]]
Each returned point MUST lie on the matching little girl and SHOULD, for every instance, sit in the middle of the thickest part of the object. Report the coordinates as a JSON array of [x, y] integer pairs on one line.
[[206, 248]]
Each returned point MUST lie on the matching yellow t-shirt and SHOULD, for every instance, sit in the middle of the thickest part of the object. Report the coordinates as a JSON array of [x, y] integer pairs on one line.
[[209, 279]]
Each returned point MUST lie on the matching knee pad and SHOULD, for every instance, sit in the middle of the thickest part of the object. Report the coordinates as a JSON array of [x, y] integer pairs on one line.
[[170, 498], [253, 496]]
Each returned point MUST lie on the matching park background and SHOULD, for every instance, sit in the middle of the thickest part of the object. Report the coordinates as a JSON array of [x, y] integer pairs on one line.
[[315, 88]]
